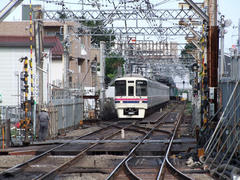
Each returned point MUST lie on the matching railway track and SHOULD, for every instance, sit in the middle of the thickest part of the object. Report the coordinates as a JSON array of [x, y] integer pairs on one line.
[[129, 167], [45, 166], [166, 164], [35, 168], [122, 163]]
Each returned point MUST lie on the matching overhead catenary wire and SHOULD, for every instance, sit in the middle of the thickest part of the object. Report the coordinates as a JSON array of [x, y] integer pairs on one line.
[[145, 11]]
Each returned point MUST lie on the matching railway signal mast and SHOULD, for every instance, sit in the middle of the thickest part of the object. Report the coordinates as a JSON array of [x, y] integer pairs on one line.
[[208, 62], [25, 122]]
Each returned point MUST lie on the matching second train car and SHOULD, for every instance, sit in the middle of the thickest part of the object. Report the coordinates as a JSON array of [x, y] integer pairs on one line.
[[135, 94]]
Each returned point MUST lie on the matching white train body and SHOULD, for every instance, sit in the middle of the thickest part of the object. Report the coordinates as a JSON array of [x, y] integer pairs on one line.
[[134, 95]]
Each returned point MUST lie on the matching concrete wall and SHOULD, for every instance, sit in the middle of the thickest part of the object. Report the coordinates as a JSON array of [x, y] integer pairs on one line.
[[56, 72], [16, 28], [10, 75], [81, 68]]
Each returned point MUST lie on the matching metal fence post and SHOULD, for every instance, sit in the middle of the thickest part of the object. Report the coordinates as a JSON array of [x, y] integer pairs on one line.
[[7, 133]]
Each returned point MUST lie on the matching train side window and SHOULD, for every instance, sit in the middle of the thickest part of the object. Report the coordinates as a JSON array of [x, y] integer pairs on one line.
[[130, 91], [141, 88], [120, 88]]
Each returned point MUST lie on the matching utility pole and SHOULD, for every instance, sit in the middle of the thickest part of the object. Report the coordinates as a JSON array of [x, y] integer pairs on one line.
[[222, 67], [38, 33], [66, 57], [212, 57], [102, 77]]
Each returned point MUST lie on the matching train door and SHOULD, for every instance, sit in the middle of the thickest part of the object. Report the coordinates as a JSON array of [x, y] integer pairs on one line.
[[131, 88]]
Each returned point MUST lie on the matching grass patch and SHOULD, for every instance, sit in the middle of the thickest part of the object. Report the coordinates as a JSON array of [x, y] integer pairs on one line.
[[188, 109]]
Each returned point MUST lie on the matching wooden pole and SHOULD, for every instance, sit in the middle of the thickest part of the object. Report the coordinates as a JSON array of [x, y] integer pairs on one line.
[[213, 41]]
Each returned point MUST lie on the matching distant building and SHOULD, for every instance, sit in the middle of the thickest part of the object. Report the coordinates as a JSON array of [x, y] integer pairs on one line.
[[227, 66], [12, 49], [26, 11], [149, 49], [81, 55]]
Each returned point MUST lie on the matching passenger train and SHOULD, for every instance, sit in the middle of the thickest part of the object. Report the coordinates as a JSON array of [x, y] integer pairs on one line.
[[135, 94]]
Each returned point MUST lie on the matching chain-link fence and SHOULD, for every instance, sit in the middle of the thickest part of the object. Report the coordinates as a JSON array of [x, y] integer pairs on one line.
[[65, 110]]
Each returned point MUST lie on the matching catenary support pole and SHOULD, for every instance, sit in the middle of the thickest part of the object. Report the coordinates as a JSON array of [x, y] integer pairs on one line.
[[102, 77], [212, 57], [65, 57], [38, 33]]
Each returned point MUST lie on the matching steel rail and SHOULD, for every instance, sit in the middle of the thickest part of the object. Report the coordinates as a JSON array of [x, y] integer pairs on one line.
[[129, 172], [157, 130], [41, 156], [117, 168], [131, 129], [128, 141], [166, 160], [67, 164]]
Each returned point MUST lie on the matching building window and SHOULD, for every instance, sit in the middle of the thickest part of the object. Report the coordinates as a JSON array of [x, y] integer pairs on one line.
[[70, 81], [80, 65], [88, 64]]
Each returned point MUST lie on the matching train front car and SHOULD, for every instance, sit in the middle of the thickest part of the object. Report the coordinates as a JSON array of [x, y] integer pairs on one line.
[[131, 97]]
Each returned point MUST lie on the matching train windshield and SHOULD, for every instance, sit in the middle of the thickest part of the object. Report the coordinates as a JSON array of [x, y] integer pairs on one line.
[[120, 88], [141, 88]]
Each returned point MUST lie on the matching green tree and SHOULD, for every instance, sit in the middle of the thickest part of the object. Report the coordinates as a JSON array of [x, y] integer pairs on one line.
[[102, 34], [112, 63], [186, 58], [188, 47]]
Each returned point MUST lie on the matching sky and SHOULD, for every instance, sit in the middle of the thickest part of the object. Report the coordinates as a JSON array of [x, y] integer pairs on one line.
[[228, 8]]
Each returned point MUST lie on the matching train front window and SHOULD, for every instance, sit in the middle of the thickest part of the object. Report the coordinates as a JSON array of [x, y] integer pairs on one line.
[[141, 88], [130, 91], [120, 88]]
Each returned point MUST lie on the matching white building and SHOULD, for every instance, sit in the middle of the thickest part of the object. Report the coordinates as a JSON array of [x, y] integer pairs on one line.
[[12, 49]]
